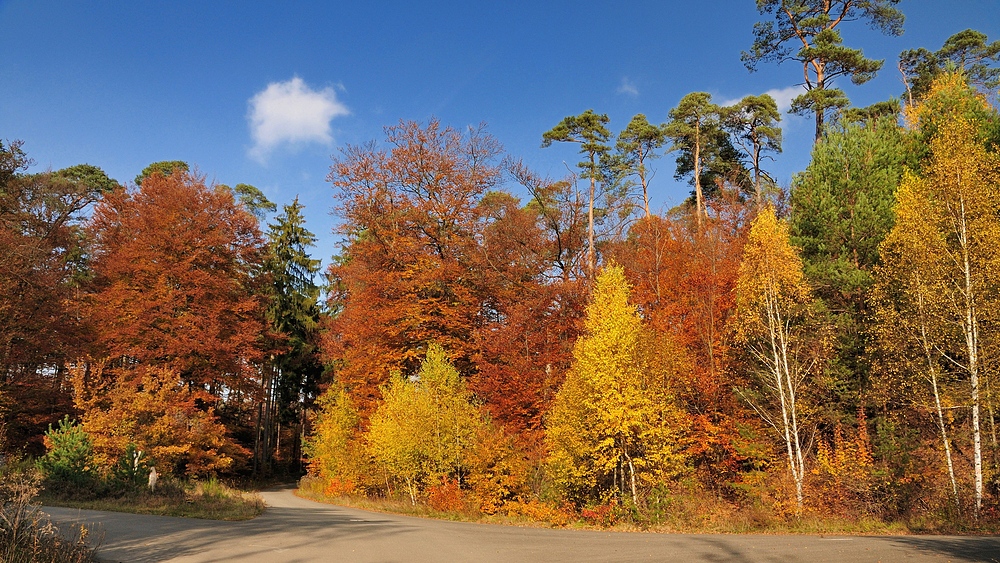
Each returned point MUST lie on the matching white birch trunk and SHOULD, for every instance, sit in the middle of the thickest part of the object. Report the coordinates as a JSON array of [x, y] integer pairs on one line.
[[785, 387], [937, 395]]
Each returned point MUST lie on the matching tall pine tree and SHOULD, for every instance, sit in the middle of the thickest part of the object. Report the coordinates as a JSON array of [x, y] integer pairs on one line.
[[292, 380]]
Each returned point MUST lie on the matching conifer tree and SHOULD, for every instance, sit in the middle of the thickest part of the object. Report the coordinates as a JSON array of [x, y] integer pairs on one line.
[[806, 32], [967, 52], [637, 144], [705, 152], [590, 131], [841, 210], [753, 123], [293, 313]]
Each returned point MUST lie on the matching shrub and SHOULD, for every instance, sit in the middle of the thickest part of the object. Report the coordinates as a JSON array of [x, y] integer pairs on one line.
[[131, 473], [446, 496], [67, 465]]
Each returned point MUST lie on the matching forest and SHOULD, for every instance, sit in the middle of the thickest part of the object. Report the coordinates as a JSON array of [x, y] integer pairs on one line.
[[491, 341]]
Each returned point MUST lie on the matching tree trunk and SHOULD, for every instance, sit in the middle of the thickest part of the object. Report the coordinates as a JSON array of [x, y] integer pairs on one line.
[[698, 197], [971, 329], [785, 387], [591, 260], [937, 396], [631, 471]]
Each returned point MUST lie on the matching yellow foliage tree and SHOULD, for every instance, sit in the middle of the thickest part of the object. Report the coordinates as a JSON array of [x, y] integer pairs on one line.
[[334, 452], [613, 425], [153, 409], [941, 276], [426, 428], [770, 294]]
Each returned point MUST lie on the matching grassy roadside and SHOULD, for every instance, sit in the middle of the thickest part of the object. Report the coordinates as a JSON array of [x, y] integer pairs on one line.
[[210, 500], [688, 515]]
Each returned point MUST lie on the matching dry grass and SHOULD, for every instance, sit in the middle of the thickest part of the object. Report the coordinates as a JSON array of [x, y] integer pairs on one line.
[[26, 535], [691, 513], [209, 499]]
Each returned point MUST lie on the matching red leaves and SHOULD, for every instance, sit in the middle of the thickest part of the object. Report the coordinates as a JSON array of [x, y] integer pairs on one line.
[[434, 255], [173, 285]]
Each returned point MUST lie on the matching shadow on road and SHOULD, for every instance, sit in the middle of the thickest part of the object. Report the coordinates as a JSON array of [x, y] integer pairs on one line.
[[156, 538], [957, 547], [294, 529]]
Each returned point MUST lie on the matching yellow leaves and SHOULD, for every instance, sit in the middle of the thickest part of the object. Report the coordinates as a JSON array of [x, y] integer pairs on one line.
[[424, 430], [615, 410], [770, 277], [333, 452], [153, 409], [950, 96]]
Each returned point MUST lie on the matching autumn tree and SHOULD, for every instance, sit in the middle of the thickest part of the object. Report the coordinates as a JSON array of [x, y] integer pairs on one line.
[[426, 427], [437, 251], [42, 264], [154, 410], [404, 278], [613, 426], [335, 449], [957, 195], [807, 32], [910, 316], [175, 266], [683, 281], [172, 263], [770, 295]]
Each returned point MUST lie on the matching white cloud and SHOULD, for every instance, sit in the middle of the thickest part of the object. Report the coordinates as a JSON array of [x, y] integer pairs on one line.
[[291, 113], [628, 88], [782, 96]]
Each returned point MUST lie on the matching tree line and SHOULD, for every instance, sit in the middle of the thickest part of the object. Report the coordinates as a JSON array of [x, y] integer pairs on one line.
[[827, 346]]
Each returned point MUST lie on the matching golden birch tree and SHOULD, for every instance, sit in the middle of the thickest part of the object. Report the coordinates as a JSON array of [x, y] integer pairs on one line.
[[427, 427], [957, 196], [909, 306], [771, 293]]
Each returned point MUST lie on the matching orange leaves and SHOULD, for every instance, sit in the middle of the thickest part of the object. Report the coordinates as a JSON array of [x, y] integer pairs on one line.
[[172, 265], [435, 255], [152, 408], [174, 304]]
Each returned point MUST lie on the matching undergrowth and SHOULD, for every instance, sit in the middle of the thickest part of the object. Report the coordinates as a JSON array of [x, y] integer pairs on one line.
[[669, 512], [26, 534], [209, 499]]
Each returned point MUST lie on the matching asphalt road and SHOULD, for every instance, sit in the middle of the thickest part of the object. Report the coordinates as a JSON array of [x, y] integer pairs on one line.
[[298, 530]]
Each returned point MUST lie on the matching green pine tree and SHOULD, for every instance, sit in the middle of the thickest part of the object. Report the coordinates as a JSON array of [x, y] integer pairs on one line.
[[806, 32], [293, 312], [841, 212]]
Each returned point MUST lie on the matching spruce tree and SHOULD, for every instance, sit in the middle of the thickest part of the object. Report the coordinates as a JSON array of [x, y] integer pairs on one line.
[[293, 312]]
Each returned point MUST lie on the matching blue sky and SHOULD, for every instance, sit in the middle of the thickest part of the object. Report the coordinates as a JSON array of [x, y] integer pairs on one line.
[[123, 84]]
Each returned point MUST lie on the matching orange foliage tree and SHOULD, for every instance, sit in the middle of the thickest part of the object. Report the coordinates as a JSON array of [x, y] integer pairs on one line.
[[436, 252], [684, 280], [174, 266], [41, 326], [152, 409]]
